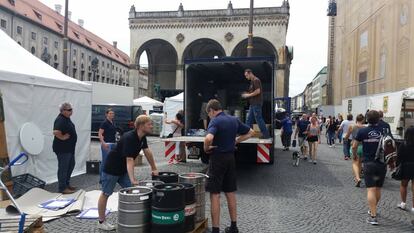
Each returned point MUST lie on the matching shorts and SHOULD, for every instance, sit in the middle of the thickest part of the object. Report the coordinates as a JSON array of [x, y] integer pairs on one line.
[[313, 139], [203, 113], [109, 182], [359, 151], [374, 174], [221, 173], [301, 141]]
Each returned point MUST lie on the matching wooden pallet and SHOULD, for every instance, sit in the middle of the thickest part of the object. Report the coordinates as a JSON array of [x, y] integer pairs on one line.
[[200, 227], [33, 224]]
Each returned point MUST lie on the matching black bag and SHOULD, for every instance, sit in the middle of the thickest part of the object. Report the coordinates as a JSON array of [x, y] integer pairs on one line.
[[172, 134], [397, 174]]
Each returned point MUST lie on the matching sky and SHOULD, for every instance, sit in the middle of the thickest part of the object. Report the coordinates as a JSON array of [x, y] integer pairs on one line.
[[307, 31]]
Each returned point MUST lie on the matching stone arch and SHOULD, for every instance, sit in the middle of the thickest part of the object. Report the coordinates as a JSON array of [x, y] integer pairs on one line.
[[261, 47], [162, 63], [203, 48]]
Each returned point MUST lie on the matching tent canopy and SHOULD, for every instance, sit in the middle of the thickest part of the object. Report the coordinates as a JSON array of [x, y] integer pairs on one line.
[[147, 103], [32, 92]]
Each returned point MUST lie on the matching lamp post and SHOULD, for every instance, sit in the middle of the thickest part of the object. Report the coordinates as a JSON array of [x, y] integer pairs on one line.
[[250, 35], [65, 38]]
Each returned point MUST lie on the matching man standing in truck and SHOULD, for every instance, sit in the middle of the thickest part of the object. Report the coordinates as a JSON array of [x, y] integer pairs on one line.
[[223, 134], [255, 97]]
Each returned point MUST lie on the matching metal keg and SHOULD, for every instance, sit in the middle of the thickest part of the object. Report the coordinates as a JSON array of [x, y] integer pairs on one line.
[[149, 183], [190, 207], [168, 204], [199, 182], [134, 210], [166, 177]]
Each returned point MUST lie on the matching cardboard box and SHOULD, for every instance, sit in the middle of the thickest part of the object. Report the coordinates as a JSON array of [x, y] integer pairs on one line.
[[256, 129]]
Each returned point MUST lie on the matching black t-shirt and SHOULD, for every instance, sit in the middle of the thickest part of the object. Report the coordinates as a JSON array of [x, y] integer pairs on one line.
[[65, 125], [369, 137], [302, 126], [332, 126], [109, 131], [128, 146]]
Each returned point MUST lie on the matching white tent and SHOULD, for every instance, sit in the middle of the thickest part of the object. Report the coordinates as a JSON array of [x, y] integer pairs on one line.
[[171, 106], [32, 92], [147, 103]]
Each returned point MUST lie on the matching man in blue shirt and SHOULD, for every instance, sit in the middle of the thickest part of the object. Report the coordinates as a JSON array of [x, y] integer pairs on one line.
[[222, 137], [374, 171], [301, 127]]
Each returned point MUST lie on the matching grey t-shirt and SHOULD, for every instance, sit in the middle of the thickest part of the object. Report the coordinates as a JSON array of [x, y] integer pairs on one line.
[[345, 126]]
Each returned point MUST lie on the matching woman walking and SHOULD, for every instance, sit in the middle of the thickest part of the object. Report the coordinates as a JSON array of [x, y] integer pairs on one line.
[[313, 139], [178, 123], [356, 159], [331, 130], [405, 157]]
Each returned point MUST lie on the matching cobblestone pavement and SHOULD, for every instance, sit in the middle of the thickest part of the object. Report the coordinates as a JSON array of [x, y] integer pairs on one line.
[[311, 198], [282, 198]]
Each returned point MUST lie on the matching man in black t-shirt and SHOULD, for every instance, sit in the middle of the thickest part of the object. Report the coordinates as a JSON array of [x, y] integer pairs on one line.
[[64, 144], [107, 132], [374, 171], [119, 166]]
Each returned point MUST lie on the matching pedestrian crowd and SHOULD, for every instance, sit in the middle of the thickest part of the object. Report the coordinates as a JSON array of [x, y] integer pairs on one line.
[[369, 143]]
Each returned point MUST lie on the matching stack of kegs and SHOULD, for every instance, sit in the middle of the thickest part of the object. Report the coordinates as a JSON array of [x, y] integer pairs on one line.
[[168, 208], [199, 181], [149, 183], [134, 210], [166, 177], [190, 207]]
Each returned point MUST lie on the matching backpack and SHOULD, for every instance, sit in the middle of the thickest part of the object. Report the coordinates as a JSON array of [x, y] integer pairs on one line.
[[386, 150]]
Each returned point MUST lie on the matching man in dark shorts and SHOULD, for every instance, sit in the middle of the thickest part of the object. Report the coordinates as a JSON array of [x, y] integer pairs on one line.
[[119, 166], [106, 133], [220, 142], [301, 127], [374, 171]]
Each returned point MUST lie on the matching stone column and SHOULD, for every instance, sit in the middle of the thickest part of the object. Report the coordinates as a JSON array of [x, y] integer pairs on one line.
[[179, 80]]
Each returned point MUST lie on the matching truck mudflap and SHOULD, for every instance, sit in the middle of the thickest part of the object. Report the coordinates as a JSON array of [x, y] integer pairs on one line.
[[263, 153], [170, 153]]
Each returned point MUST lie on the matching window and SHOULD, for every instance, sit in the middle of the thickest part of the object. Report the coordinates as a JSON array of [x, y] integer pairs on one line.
[[74, 52], [33, 50], [19, 30], [82, 55], [100, 47], [103, 64], [38, 15], [55, 57], [45, 40], [363, 83], [89, 42], [107, 65], [59, 26], [76, 34], [363, 40], [3, 23], [89, 58], [33, 35], [56, 44]]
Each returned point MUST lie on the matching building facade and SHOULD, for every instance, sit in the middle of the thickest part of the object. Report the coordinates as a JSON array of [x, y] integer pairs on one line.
[[317, 91], [170, 37], [39, 29], [373, 47]]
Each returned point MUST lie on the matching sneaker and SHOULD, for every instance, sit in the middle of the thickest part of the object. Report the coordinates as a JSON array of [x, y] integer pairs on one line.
[[369, 213], [231, 230], [68, 191], [372, 220], [305, 158], [346, 158], [105, 226], [314, 161], [330, 146], [402, 206]]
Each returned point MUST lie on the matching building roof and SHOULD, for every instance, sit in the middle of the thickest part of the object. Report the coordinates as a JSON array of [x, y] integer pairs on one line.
[[38, 12]]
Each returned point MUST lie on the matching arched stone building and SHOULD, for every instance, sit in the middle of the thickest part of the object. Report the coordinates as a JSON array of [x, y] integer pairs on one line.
[[170, 37]]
